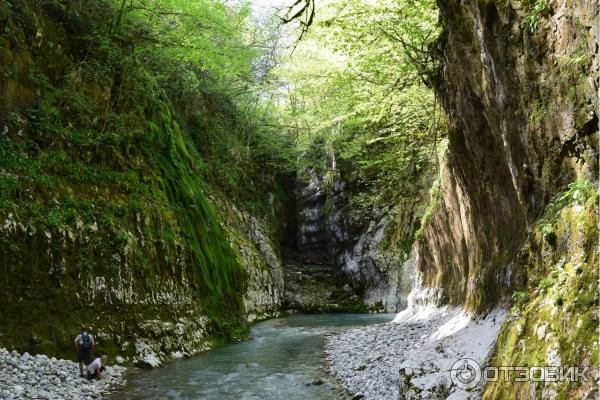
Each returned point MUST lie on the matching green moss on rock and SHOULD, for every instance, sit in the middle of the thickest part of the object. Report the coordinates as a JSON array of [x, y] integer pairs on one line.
[[554, 318], [104, 213]]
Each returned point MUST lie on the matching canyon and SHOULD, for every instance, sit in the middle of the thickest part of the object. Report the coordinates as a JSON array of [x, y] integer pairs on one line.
[[141, 210]]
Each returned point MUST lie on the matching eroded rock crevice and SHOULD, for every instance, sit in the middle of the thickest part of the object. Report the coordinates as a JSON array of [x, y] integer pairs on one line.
[[345, 249]]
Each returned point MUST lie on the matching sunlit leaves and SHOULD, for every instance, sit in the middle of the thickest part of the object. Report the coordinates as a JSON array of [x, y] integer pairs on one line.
[[361, 79], [206, 34]]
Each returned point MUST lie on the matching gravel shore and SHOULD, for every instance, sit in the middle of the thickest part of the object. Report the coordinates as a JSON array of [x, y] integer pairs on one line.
[[411, 358], [23, 376]]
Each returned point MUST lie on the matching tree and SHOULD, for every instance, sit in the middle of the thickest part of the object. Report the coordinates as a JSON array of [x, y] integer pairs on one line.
[[360, 79]]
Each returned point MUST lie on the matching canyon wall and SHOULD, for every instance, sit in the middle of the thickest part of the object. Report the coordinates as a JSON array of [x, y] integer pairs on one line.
[[522, 108], [106, 218], [516, 223], [369, 248]]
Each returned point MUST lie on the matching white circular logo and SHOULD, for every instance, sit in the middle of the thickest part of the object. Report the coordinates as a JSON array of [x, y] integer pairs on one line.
[[465, 373]]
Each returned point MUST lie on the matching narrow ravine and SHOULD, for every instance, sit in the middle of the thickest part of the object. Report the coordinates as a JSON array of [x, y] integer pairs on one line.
[[172, 172], [284, 358]]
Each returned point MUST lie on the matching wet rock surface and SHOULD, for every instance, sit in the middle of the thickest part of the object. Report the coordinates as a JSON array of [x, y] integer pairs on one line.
[[520, 129], [23, 376]]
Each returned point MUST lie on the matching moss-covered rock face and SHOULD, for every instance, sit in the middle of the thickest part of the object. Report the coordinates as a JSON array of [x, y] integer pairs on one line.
[[260, 258], [520, 91], [105, 218], [517, 219], [554, 313]]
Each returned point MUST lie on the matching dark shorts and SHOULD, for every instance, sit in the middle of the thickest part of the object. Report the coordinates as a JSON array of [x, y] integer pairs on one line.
[[84, 357]]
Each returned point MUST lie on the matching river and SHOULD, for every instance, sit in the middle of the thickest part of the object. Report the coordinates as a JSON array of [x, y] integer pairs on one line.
[[283, 359]]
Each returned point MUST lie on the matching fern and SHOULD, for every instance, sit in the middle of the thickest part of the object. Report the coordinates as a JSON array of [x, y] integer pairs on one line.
[[531, 21]]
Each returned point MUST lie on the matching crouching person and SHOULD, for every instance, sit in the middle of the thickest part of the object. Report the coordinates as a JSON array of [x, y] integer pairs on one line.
[[95, 369]]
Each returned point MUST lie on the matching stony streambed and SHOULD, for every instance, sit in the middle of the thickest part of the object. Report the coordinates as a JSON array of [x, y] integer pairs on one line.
[[411, 358], [23, 376]]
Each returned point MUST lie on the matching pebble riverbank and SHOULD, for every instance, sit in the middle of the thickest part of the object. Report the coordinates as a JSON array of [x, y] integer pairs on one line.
[[411, 358], [23, 376]]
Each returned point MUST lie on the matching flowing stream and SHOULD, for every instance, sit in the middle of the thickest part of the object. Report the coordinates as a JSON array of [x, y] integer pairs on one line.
[[283, 359]]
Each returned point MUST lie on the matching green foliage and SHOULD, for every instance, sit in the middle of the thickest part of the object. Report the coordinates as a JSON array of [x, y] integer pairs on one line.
[[329, 179], [548, 281], [435, 197], [196, 38], [537, 114], [536, 10], [567, 62], [358, 89], [143, 108], [581, 192], [519, 299]]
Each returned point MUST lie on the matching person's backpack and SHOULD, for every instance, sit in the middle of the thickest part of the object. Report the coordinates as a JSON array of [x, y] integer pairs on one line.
[[86, 342]]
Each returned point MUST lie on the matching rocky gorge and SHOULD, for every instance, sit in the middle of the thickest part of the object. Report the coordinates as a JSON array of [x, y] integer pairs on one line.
[[149, 192], [355, 243], [96, 231]]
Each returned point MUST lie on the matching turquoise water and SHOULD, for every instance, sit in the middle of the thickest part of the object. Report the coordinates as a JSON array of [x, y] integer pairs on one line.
[[282, 360]]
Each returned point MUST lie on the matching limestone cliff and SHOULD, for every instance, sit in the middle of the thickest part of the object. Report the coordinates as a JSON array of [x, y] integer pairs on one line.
[[107, 218], [368, 246], [522, 108], [263, 270], [360, 246], [516, 222]]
